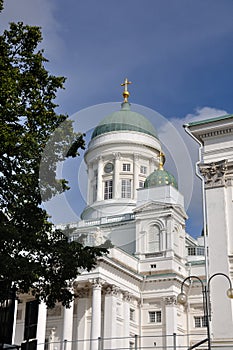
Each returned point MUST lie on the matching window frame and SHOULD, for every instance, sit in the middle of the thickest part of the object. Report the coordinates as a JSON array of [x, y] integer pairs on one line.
[[141, 182], [132, 314], [200, 321], [108, 189], [126, 188], [154, 239], [126, 167], [155, 316], [143, 169]]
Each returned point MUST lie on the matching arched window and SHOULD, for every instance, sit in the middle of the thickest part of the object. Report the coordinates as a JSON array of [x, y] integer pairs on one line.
[[154, 239]]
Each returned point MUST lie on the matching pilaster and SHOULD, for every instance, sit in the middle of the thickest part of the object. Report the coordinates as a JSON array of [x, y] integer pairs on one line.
[[100, 179], [135, 174], [110, 316], [170, 319], [116, 177]]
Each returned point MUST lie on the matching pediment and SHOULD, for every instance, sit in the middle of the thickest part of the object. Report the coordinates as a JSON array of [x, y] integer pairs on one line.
[[153, 206]]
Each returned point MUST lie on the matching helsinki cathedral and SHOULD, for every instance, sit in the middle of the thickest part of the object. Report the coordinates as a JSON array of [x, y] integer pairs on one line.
[[129, 301]]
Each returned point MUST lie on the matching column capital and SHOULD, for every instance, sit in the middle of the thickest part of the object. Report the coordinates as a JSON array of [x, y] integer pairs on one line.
[[112, 290], [170, 300], [126, 296], [82, 293], [214, 173], [97, 283], [117, 155]]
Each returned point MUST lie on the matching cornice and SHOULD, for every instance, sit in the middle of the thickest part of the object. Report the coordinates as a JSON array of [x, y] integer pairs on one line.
[[214, 133]]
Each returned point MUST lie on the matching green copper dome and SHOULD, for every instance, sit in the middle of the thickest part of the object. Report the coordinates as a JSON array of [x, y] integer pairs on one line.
[[125, 120], [160, 177]]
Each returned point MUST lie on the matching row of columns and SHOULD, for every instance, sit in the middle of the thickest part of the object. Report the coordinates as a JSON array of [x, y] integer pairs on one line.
[[116, 177], [110, 316], [110, 327], [109, 331]]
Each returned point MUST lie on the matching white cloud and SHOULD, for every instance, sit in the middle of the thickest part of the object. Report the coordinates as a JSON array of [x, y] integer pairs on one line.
[[203, 113], [191, 187]]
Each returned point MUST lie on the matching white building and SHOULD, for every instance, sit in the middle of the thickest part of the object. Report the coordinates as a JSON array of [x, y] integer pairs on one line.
[[130, 299]]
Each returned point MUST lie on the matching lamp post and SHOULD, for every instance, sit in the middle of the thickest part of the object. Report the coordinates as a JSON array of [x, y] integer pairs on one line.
[[182, 299]]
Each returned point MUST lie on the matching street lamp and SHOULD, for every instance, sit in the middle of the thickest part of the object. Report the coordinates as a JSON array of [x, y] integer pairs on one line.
[[182, 299]]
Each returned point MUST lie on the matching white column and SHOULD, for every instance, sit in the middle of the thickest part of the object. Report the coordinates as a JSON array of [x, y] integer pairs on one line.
[[170, 320], [68, 325], [110, 317], [96, 313], [163, 236], [14, 324], [90, 184], [126, 299], [135, 175], [100, 180], [116, 178], [82, 319], [41, 325], [219, 206]]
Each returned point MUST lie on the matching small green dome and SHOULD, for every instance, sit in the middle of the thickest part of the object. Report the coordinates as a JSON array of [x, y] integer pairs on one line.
[[125, 120], [160, 177]]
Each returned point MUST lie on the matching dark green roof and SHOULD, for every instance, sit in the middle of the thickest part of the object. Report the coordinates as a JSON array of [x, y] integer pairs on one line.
[[125, 120], [160, 177], [211, 120]]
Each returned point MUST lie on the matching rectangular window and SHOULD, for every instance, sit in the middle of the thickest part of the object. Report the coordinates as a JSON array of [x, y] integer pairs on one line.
[[143, 169], [153, 239], [155, 316], [191, 251], [141, 184], [126, 188], [197, 321], [126, 167], [131, 314], [31, 317], [200, 321], [108, 189], [196, 251]]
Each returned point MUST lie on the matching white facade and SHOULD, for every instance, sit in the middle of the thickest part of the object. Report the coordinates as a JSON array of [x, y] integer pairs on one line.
[[216, 167], [129, 299]]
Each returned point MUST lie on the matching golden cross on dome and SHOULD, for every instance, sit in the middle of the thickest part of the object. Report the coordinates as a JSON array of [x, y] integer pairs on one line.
[[126, 92], [161, 160]]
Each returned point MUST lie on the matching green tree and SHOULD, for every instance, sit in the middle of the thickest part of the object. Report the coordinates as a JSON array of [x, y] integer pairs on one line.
[[33, 255]]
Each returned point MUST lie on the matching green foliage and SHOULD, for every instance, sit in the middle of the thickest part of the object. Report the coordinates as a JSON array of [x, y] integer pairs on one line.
[[32, 254]]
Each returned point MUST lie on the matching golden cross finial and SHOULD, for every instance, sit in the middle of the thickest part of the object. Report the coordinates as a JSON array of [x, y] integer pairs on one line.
[[161, 160], [126, 92]]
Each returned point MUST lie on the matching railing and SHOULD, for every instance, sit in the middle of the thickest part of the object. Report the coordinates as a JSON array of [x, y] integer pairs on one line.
[[136, 342], [96, 222]]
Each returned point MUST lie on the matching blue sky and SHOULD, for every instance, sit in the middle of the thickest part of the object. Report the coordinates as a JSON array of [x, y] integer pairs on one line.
[[178, 53]]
